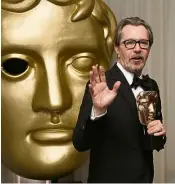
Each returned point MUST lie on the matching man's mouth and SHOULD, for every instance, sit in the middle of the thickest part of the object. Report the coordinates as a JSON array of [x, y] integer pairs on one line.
[[137, 58]]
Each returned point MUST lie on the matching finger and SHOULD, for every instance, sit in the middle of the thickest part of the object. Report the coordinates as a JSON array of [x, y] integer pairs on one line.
[[156, 129], [96, 74], [92, 80], [156, 126], [116, 86], [91, 90], [102, 74], [153, 123], [160, 133]]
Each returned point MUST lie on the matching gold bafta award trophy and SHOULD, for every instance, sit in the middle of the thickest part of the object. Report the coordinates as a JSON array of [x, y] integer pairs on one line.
[[146, 105], [48, 49]]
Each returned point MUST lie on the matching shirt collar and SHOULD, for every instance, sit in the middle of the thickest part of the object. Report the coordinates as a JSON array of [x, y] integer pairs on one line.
[[128, 75]]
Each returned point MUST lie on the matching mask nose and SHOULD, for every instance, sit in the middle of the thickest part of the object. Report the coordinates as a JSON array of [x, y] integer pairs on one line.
[[151, 108], [51, 90]]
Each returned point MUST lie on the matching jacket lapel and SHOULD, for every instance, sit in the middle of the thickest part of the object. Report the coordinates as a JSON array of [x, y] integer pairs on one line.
[[125, 89]]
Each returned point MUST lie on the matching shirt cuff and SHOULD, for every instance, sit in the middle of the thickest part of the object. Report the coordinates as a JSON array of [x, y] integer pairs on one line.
[[93, 117]]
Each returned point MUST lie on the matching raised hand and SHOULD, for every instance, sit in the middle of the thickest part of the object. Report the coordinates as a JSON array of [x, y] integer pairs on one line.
[[101, 95]]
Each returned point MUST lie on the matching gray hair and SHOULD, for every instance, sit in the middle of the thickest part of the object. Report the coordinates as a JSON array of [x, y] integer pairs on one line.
[[134, 21]]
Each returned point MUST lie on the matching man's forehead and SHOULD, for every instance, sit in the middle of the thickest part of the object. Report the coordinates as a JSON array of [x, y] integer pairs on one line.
[[134, 31]]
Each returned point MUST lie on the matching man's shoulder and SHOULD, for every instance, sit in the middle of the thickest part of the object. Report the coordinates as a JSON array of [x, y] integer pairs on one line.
[[111, 70], [153, 81], [154, 84]]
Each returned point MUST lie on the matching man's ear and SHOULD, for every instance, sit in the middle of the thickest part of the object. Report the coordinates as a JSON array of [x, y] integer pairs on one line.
[[117, 51]]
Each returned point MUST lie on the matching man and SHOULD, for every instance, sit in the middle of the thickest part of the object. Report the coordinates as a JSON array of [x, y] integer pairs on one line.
[[121, 148]]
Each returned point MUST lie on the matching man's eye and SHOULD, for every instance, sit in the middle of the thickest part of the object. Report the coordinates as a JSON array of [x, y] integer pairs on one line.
[[144, 42], [130, 42], [15, 65]]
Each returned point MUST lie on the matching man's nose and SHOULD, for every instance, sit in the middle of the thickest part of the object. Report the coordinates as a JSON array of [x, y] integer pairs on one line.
[[51, 89], [137, 48]]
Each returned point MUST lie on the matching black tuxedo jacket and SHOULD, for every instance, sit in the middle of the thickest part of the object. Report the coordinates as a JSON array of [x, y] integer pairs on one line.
[[120, 152]]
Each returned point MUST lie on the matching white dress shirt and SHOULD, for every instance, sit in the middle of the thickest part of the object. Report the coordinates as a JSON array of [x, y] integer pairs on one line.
[[129, 77]]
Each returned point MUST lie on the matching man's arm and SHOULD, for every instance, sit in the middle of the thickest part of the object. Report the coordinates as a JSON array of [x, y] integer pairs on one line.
[[86, 127], [98, 95]]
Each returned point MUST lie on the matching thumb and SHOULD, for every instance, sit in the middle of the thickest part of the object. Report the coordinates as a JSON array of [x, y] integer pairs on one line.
[[116, 86]]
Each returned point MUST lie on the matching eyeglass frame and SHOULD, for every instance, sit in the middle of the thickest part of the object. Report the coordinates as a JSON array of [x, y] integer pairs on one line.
[[136, 41]]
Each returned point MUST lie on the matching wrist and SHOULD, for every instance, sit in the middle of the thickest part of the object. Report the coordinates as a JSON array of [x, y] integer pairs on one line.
[[99, 111]]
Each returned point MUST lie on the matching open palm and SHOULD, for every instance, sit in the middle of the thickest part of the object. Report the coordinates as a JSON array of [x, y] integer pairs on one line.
[[101, 95]]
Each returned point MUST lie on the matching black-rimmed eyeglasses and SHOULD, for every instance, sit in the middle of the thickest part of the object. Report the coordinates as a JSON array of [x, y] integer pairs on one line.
[[130, 44]]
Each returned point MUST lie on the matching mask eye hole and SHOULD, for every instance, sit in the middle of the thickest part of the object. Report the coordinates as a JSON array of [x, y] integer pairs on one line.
[[15, 66]]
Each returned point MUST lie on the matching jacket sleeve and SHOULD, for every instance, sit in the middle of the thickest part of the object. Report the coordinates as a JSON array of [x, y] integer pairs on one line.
[[85, 131], [158, 142]]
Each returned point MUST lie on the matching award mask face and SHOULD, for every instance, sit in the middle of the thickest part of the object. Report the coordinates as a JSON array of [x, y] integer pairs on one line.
[[48, 50], [146, 102]]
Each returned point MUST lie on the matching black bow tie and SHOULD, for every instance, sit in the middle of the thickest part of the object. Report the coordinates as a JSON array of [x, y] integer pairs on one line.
[[144, 83]]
